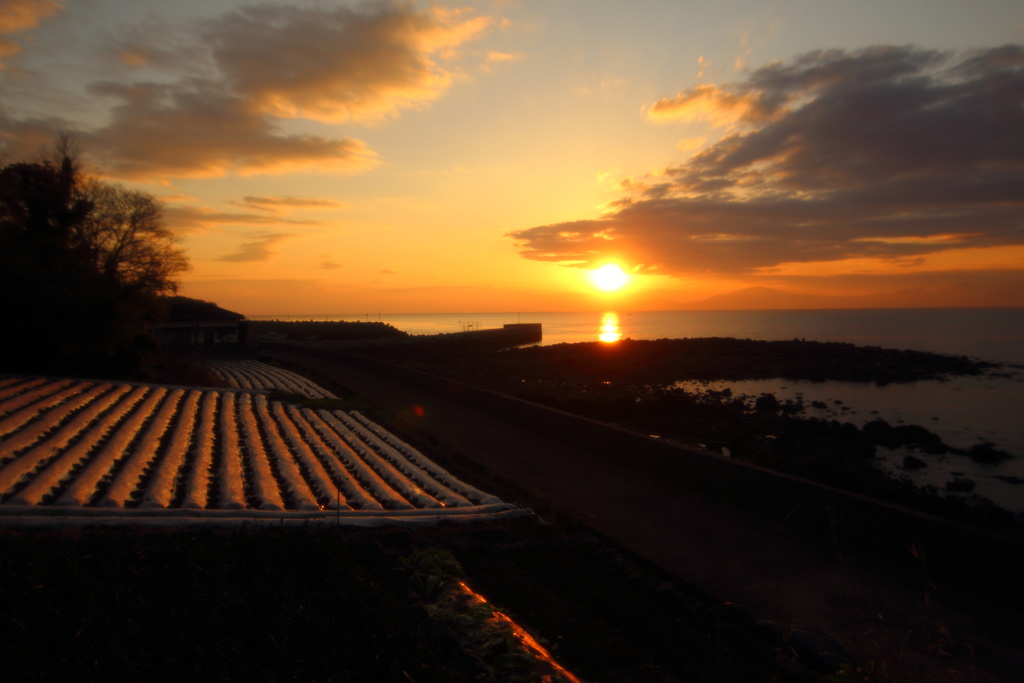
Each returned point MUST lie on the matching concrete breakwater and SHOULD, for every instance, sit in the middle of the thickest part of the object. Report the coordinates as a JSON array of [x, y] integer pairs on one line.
[[515, 334], [342, 334]]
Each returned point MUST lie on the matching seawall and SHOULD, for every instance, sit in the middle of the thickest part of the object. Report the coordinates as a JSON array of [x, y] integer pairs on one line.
[[984, 562], [514, 334]]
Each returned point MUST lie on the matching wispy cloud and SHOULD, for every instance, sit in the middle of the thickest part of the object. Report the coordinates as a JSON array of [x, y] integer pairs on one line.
[[20, 15], [886, 153], [493, 59], [190, 219], [257, 250], [708, 103], [279, 205]]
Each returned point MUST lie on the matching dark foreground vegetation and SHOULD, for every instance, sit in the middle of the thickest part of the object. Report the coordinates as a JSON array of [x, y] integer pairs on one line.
[[82, 266], [632, 384], [361, 605]]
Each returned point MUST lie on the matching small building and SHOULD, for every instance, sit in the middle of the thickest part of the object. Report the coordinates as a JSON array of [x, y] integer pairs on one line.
[[191, 322]]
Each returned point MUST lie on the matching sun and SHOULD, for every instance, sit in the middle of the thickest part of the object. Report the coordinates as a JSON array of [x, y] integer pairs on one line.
[[609, 277]]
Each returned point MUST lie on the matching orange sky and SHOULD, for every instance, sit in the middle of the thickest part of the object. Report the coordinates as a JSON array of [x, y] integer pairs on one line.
[[484, 156]]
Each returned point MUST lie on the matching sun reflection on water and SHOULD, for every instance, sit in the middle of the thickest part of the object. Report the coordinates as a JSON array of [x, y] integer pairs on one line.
[[610, 330]]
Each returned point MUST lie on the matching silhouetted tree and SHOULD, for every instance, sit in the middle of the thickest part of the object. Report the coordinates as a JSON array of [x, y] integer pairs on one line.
[[82, 264], [128, 241]]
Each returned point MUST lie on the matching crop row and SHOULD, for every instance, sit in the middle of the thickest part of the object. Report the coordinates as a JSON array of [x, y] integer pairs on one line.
[[251, 374], [84, 445]]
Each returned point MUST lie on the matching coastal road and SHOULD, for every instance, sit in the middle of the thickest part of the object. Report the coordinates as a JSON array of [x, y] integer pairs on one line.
[[875, 610]]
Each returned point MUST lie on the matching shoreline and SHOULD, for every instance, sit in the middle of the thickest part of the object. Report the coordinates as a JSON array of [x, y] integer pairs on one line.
[[995, 334], [680, 511], [952, 409], [628, 384]]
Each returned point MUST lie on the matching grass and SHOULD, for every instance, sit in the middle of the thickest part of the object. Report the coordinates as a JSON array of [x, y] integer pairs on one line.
[[349, 605], [258, 605]]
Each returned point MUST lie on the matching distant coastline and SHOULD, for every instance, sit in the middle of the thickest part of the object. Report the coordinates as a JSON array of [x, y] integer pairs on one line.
[[768, 298], [989, 333]]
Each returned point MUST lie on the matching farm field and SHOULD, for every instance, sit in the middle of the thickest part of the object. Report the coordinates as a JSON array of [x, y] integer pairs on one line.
[[168, 592], [140, 520], [108, 452]]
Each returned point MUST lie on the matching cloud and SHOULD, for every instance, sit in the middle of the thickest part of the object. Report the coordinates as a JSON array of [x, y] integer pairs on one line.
[[202, 131], [257, 250], [337, 63], [20, 15], [191, 219], [133, 57], [702, 66], [887, 153], [223, 96], [707, 103], [495, 58], [279, 205], [28, 138]]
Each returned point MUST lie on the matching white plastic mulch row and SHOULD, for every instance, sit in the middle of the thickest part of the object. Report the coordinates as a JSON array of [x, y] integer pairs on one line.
[[251, 374], [113, 453]]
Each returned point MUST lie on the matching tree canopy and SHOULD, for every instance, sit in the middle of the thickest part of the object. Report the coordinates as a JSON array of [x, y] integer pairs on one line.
[[82, 266]]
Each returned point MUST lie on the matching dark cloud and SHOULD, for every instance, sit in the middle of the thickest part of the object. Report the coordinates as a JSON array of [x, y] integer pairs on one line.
[[889, 152], [203, 131], [336, 63], [28, 138], [222, 94]]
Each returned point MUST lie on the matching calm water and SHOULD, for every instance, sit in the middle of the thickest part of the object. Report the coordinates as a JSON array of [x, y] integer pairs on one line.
[[996, 334], [963, 411], [988, 333]]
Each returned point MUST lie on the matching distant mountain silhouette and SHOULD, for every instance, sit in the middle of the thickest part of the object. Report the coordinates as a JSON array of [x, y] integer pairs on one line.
[[755, 298]]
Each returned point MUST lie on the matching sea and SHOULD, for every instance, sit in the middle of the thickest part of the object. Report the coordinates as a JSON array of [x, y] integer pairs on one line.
[[963, 411]]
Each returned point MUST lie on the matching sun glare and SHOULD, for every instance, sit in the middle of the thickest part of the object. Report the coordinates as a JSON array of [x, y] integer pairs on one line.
[[610, 330], [609, 277]]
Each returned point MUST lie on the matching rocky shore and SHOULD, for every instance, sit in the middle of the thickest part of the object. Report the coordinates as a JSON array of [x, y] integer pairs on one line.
[[635, 384], [748, 539]]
